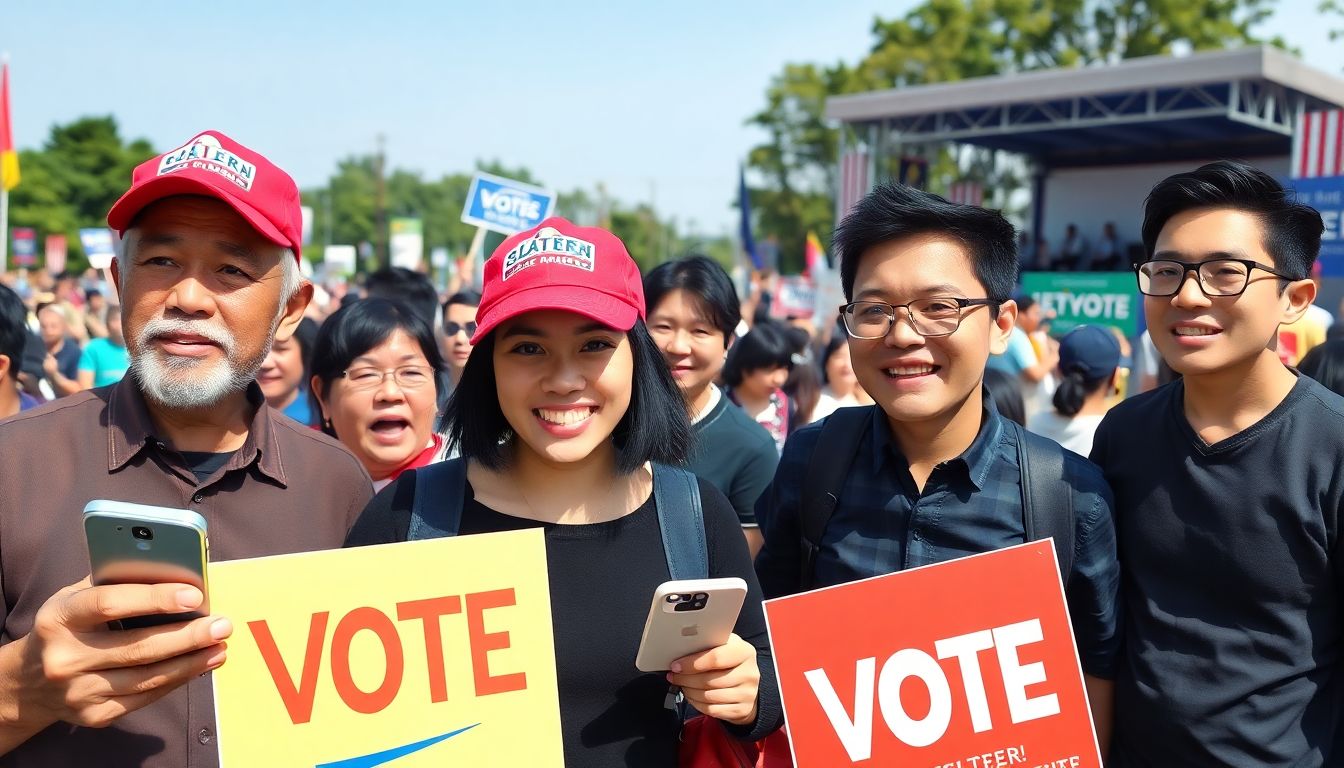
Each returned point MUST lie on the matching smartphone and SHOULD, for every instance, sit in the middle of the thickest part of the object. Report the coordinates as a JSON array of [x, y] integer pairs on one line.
[[139, 544], [688, 617]]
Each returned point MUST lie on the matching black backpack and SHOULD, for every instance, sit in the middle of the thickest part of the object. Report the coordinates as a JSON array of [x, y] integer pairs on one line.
[[1047, 504], [440, 488]]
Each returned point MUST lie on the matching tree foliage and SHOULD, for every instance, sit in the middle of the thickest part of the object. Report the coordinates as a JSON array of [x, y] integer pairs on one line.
[[949, 40], [74, 179]]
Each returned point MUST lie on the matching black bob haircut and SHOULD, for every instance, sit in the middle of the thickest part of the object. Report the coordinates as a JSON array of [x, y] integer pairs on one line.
[[836, 342], [357, 328], [895, 211], [703, 278], [766, 345], [655, 427], [407, 286], [13, 329], [1292, 230]]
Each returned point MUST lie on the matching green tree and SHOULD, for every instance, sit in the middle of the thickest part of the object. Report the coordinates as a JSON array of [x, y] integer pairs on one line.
[[74, 179]]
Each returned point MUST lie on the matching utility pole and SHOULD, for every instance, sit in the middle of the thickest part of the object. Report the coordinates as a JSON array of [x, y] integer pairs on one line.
[[380, 208]]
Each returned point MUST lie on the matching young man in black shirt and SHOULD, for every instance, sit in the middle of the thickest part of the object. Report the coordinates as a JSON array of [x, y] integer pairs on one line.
[[1227, 491]]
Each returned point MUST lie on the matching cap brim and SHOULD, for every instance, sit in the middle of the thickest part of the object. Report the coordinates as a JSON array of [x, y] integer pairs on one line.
[[605, 309], [124, 211]]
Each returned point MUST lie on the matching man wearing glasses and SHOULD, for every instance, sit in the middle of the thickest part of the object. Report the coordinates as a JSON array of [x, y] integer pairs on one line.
[[936, 471], [1228, 491]]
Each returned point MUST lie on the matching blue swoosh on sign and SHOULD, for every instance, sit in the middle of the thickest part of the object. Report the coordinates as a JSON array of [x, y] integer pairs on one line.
[[388, 755]]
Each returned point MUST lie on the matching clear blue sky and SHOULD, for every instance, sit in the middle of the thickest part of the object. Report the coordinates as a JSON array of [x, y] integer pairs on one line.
[[649, 98]]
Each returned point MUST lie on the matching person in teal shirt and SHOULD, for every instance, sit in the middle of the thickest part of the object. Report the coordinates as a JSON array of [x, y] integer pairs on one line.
[[104, 361]]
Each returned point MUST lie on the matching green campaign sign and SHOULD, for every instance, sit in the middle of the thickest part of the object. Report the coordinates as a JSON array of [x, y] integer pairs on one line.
[[1086, 298]]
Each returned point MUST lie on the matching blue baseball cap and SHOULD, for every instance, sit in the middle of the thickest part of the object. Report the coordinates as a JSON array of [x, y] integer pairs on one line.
[[1090, 350]]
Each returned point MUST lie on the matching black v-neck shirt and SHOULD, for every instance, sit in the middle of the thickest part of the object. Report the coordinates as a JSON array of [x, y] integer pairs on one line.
[[1231, 582], [602, 576]]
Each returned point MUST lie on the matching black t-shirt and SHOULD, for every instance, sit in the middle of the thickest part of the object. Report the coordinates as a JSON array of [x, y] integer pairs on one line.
[[602, 576], [203, 464], [1230, 582], [736, 455]]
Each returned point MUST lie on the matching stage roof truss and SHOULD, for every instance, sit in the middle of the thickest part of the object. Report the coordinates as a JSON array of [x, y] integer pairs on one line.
[[1267, 106]]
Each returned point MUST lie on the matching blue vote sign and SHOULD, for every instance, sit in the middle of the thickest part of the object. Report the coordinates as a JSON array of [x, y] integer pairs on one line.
[[504, 205], [1326, 194]]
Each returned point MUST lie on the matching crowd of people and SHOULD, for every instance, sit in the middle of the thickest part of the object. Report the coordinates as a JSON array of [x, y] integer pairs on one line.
[[1202, 583]]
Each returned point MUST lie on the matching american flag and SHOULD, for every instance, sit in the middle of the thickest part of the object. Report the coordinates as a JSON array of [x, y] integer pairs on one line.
[[1318, 145], [853, 182], [966, 193]]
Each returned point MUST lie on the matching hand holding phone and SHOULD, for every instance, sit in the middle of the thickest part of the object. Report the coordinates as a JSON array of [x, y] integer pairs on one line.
[[687, 617], [140, 544]]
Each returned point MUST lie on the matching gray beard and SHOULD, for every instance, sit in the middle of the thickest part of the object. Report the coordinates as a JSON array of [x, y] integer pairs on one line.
[[185, 383]]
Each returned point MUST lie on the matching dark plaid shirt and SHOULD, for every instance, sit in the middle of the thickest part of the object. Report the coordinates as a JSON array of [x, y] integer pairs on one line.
[[971, 504]]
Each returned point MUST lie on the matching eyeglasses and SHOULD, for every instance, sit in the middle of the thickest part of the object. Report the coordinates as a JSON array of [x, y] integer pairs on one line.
[[451, 328], [938, 316], [1217, 277], [406, 377]]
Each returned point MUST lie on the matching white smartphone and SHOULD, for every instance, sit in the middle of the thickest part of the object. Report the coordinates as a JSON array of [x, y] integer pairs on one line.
[[688, 617], [140, 544]]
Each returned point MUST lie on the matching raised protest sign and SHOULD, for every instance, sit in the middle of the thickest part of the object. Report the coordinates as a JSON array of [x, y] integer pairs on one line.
[[431, 653], [98, 246], [796, 297], [964, 664], [1086, 298], [504, 205], [24, 245]]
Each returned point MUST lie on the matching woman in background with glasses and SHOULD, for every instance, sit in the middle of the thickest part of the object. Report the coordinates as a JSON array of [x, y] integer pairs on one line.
[[374, 369]]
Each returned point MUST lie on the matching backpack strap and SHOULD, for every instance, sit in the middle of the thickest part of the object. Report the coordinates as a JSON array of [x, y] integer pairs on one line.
[[1047, 498], [838, 443], [439, 491], [676, 495]]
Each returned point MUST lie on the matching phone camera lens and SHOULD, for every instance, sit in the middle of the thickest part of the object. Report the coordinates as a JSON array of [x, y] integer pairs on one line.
[[142, 532], [673, 598], [701, 595]]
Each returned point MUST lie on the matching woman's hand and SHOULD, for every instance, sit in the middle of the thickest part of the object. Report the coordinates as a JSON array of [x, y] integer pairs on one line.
[[721, 682]]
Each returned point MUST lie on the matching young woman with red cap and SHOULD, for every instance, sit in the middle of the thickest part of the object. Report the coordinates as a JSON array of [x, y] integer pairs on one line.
[[562, 409]]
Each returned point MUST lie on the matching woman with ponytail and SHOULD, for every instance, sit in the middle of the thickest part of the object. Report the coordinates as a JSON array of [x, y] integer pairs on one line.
[[1088, 358]]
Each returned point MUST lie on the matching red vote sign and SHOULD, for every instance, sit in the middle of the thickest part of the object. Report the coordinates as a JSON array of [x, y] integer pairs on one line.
[[965, 664]]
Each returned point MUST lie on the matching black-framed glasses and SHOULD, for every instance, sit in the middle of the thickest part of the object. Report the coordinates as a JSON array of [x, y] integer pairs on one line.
[[936, 316], [451, 328], [1216, 277], [406, 377]]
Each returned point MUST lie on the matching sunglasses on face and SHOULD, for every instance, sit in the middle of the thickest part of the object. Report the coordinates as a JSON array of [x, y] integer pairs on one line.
[[451, 328]]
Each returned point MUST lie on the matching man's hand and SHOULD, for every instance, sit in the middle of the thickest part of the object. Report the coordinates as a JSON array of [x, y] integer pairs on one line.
[[72, 668], [722, 682], [50, 366]]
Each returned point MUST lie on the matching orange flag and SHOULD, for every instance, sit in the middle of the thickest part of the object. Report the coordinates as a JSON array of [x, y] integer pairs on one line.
[[9, 155]]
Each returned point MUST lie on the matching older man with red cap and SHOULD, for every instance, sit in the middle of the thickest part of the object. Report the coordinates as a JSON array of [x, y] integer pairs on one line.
[[208, 278]]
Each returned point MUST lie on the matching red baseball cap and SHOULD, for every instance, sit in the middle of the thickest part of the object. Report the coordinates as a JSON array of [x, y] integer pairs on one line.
[[557, 265], [214, 165]]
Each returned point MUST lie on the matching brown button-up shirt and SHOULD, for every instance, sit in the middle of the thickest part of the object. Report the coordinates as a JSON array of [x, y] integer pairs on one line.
[[288, 489]]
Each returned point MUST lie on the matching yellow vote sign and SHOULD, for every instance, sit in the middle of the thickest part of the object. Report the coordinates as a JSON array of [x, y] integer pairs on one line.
[[426, 653]]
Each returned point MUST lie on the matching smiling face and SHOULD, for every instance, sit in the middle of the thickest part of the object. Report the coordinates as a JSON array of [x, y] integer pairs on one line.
[[693, 348], [387, 425], [913, 378], [564, 384], [1197, 334], [201, 301]]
